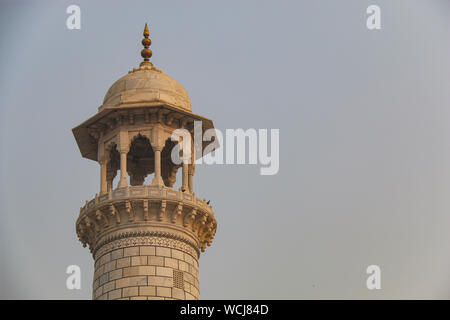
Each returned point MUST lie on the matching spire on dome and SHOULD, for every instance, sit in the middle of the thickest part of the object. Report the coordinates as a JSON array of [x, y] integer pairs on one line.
[[146, 53]]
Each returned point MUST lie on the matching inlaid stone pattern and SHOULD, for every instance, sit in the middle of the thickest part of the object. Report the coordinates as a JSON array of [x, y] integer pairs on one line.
[[146, 273]]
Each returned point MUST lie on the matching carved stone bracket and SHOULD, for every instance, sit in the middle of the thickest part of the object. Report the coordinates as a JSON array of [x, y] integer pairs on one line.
[[129, 211], [100, 216], [145, 208], [189, 217], [162, 210], [113, 212], [177, 212]]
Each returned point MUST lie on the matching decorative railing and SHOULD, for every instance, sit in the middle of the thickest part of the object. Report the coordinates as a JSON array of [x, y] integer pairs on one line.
[[146, 192]]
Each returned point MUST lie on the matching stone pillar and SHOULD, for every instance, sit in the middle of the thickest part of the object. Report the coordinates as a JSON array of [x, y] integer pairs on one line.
[[110, 175], [109, 185], [185, 184], [157, 180], [191, 177], [123, 169], [103, 186]]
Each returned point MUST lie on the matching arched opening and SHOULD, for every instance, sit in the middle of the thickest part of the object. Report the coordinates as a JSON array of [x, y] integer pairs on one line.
[[140, 160], [112, 167], [168, 168]]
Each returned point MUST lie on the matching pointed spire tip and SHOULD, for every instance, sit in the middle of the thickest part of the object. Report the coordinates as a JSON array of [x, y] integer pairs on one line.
[[146, 53]]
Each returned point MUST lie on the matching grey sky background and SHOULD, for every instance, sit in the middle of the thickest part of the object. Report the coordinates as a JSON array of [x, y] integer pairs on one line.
[[364, 119]]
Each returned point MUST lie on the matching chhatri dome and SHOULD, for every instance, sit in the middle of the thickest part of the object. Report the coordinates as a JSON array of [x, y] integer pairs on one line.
[[147, 85], [145, 91]]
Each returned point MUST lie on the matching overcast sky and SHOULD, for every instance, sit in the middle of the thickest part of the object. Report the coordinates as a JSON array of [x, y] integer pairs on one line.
[[364, 120]]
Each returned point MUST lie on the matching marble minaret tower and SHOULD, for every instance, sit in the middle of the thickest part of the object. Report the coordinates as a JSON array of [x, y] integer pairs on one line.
[[145, 239]]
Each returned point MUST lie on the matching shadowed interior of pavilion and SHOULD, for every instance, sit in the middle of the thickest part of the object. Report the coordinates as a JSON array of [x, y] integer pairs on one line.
[[141, 163]]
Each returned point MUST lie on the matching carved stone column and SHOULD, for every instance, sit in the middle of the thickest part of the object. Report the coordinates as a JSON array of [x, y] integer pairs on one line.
[[124, 147], [109, 186], [191, 171], [185, 184], [103, 176], [123, 169], [157, 180]]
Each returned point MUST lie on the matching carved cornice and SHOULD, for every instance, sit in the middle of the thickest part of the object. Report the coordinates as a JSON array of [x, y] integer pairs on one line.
[[133, 207], [146, 238], [133, 117]]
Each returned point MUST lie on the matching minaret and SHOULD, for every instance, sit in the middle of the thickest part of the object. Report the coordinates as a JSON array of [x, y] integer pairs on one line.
[[145, 239]]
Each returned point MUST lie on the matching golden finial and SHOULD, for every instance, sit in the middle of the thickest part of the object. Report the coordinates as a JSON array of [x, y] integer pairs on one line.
[[146, 53]]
